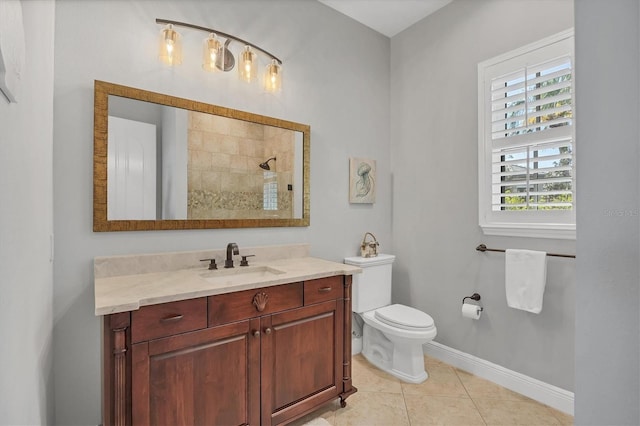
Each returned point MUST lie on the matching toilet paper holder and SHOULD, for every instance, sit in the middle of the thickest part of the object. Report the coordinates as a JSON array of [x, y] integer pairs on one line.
[[476, 297]]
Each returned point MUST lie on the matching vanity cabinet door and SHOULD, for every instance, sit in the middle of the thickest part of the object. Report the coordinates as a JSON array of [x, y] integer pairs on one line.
[[205, 377], [301, 360]]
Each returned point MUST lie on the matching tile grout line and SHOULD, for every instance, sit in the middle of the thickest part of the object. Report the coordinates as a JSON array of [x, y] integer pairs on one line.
[[549, 409], [555, 418], [404, 400], [455, 371]]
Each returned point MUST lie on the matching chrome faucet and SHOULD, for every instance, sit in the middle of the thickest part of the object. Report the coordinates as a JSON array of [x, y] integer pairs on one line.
[[231, 248]]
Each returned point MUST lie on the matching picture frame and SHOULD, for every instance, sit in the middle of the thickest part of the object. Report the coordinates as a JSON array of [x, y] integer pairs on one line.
[[362, 181]]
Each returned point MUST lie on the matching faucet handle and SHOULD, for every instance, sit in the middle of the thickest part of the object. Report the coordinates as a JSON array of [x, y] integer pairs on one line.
[[212, 265], [244, 261]]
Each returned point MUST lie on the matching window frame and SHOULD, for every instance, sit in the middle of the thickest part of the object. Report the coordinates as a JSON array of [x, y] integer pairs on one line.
[[558, 224]]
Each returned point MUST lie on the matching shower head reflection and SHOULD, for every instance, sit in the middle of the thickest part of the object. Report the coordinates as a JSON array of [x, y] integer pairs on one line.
[[265, 165]]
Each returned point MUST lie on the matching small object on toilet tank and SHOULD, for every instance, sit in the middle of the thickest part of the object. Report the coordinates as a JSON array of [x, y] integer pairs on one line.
[[369, 248]]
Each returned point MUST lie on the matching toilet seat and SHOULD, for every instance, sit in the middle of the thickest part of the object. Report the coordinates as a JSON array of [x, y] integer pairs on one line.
[[404, 317]]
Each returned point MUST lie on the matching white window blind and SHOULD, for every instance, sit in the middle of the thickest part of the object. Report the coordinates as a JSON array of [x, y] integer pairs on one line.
[[527, 139]]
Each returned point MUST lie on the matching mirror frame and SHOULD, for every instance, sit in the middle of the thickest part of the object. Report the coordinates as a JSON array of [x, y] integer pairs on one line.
[[102, 91]]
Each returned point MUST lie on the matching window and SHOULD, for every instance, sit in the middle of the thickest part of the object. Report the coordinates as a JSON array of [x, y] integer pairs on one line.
[[526, 141], [270, 191]]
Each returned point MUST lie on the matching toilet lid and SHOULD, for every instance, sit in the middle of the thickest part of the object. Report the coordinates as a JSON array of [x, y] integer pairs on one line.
[[405, 317]]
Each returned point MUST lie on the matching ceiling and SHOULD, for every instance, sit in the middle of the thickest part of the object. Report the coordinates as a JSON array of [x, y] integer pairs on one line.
[[388, 17]]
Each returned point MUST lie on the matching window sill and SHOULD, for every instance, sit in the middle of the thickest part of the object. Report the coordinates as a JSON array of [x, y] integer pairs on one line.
[[531, 230]]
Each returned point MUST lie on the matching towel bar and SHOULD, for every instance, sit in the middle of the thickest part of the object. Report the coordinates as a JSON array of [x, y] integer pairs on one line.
[[484, 248]]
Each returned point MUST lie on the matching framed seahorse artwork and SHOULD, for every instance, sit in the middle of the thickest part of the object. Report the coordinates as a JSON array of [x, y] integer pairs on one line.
[[362, 180]]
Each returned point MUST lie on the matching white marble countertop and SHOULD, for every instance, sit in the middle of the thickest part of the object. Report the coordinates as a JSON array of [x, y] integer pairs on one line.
[[127, 292]]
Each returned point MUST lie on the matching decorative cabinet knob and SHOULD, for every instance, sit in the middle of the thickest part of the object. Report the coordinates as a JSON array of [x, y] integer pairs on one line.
[[267, 330], [256, 333], [260, 301]]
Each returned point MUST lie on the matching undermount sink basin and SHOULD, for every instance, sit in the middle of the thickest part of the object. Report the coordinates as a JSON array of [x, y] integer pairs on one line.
[[241, 274]]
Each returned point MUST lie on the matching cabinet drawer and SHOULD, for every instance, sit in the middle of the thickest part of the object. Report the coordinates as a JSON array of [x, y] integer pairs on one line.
[[322, 290], [166, 319], [225, 308]]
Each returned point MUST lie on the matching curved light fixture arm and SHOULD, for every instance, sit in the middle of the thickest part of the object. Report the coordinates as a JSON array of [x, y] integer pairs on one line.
[[220, 33]]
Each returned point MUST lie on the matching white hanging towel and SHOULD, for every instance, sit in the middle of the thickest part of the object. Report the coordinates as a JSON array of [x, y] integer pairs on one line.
[[525, 279]]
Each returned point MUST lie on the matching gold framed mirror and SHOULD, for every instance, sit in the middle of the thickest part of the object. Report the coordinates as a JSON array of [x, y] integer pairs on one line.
[[161, 162]]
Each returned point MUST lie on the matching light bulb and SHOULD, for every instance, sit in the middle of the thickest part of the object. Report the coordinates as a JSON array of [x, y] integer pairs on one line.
[[248, 62], [170, 46], [273, 77], [212, 54]]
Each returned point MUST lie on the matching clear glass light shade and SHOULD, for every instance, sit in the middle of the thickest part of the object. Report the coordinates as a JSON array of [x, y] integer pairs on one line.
[[212, 54], [273, 77], [170, 46], [247, 68]]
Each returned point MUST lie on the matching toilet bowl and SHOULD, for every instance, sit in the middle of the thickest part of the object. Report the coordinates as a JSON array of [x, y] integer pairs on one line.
[[393, 334], [393, 338]]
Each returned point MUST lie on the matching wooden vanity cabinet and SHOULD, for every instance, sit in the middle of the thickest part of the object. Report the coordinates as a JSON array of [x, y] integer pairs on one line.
[[301, 360], [263, 357], [207, 377]]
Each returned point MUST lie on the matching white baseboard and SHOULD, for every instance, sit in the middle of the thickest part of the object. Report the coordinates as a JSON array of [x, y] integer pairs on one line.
[[545, 393]]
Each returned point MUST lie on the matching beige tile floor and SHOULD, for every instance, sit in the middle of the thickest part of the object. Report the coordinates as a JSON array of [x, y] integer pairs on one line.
[[448, 397]]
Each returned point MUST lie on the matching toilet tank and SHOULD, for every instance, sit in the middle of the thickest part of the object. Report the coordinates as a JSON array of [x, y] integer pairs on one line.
[[372, 288]]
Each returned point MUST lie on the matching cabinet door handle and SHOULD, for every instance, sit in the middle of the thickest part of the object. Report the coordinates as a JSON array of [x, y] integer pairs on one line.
[[324, 290], [267, 330], [256, 333], [172, 318]]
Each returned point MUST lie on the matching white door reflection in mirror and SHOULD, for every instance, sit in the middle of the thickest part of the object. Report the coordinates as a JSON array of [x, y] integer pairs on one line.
[[175, 158], [131, 171]]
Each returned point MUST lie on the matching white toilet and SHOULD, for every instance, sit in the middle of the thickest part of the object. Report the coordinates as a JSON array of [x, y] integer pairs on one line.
[[393, 335]]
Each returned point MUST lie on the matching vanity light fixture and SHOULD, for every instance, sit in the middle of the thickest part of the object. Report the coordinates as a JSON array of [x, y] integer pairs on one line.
[[212, 54], [248, 63], [273, 77], [170, 46], [216, 55]]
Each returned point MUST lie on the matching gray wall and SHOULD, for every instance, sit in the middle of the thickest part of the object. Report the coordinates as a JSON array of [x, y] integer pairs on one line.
[[607, 303], [348, 110], [434, 163], [26, 224], [336, 79]]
